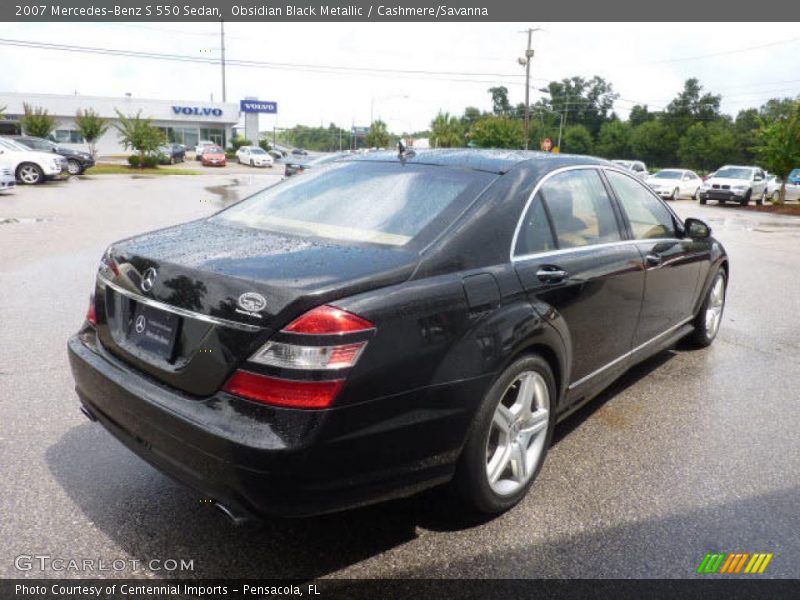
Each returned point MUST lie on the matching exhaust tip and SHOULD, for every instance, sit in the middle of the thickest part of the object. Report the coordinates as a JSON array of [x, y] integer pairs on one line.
[[237, 519], [88, 414]]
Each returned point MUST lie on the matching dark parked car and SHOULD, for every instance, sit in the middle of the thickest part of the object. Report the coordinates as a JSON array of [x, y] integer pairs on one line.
[[77, 161], [169, 154], [388, 324], [299, 152]]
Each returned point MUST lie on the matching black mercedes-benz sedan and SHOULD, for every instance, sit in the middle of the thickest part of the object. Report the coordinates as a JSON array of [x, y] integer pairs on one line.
[[389, 323]]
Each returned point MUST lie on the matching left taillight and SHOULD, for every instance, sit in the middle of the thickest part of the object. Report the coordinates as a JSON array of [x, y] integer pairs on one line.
[[307, 364], [91, 315]]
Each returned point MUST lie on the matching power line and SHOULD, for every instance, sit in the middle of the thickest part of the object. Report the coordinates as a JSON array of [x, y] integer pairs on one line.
[[242, 62]]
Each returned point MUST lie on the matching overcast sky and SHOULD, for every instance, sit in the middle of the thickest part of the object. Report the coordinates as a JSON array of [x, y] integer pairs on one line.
[[646, 63]]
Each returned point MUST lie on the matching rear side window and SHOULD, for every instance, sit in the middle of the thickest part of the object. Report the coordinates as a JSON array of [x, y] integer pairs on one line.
[[361, 201], [648, 216], [535, 234], [580, 209]]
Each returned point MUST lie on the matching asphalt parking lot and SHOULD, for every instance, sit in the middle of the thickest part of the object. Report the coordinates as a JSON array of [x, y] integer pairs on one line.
[[691, 452]]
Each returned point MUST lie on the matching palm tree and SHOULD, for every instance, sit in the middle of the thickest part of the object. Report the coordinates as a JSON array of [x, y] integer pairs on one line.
[[447, 131]]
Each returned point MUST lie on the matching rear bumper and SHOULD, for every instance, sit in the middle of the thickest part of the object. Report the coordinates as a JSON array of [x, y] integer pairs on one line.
[[263, 460]]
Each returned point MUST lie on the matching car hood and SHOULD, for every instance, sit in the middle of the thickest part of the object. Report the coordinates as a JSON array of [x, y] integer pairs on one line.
[[33, 155], [727, 181], [656, 182]]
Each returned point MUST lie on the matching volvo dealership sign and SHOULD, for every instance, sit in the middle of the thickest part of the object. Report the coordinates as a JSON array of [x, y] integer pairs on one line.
[[197, 111], [258, 106]]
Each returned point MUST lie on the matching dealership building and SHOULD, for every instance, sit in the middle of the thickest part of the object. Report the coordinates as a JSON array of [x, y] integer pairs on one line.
[[183, 121]]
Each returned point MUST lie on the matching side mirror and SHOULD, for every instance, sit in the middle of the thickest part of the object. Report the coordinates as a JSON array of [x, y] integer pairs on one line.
[[696, 229]]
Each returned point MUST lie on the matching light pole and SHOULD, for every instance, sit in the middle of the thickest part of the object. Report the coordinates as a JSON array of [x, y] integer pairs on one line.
[[526, 62]]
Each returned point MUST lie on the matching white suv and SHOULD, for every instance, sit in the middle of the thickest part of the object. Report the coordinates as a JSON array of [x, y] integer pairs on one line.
[[737, 184], [30, 166]]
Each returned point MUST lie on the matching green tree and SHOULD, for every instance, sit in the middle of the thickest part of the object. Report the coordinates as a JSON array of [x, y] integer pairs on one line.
[[239, 141], [577, 140], [690, 106], [500, 104], [640, 114], [707, 146], [138, 134], [471, 114], [91, 126], [497, 132], [745, 129], [586, 102], [36, 121], [446, 131], [654, 143], [778, 146], [614, 140], [378, 135]]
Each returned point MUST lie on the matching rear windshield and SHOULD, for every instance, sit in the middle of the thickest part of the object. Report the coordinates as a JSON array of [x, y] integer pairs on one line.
[[362, 201], [734, 173]]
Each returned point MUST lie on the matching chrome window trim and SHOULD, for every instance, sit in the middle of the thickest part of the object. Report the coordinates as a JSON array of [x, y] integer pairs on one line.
[[176, 310], [537, 187], [628, 354]]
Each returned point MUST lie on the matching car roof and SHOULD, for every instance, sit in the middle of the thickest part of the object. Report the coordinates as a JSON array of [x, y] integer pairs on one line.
[[491, 161]]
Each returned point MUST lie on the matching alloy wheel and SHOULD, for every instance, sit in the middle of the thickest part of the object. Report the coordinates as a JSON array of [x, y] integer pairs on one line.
[[73, 167], [518, 433], [716, 302], [29, 174]]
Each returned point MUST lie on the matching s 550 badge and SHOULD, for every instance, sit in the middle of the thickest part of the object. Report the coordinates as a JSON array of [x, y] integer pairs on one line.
[[251, 304]]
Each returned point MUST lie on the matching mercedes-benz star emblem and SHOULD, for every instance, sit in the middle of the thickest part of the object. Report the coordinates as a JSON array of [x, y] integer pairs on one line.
[[140, 323], [148, 279]]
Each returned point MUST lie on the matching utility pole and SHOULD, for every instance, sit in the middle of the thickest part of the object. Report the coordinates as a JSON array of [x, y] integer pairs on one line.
[[526, 62], [222, 47]]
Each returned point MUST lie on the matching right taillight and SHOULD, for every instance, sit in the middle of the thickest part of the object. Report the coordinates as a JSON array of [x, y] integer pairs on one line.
[[318, 346]]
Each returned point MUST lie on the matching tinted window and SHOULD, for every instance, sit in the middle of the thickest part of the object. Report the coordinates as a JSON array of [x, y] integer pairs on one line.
[[735, 173], [535, 234], [580, 209], [648, 216], [364, 201]]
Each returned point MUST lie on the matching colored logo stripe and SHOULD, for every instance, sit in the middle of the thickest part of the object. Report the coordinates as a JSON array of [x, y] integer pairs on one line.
[[721, 562]]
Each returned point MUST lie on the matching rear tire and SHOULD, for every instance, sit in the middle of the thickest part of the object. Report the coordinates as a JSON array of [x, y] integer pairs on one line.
[[708, 319], [509, 437], [696, 195]]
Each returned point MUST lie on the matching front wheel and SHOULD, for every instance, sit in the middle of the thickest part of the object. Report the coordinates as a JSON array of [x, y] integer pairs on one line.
[[509, 438], [707, 321], [761, 198], [746, 200], [73, 167], [696, 195], [30, 173], [676, 193]]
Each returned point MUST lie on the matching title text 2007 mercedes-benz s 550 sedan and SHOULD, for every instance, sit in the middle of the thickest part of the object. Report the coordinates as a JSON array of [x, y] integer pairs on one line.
[[388, 323]]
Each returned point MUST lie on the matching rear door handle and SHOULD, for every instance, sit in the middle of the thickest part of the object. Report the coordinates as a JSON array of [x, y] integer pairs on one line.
[[652, 259], [551, 274]]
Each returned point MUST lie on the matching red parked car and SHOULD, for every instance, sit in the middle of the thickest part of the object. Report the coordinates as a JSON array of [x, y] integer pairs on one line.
[[213, 156]]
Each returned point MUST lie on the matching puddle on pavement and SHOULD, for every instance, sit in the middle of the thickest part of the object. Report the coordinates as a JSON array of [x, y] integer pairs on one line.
[[228, 193], [23, 220]]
